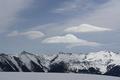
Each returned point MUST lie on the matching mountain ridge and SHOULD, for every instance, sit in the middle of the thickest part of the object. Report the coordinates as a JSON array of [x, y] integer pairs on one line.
[[103, 62]]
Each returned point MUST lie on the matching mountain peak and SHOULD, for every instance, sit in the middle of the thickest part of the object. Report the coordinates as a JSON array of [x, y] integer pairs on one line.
[[25, 52], [3, 54]]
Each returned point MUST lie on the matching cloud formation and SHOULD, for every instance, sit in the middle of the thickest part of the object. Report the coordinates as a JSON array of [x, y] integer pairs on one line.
[[70, 39], [67, 6], [75, 6], [86, 28], [29, 34], [107, 15]]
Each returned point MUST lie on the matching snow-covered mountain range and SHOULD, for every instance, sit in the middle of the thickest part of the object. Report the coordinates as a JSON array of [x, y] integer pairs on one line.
[[103, 62]]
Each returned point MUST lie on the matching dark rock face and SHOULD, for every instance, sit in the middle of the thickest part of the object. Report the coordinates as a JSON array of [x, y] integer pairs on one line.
[[58, 67], [83, 71], [91, 70], [35, 67], [6, 64], [6, 67], [15, 64], [94, 71], [115, 71], [21, 65]]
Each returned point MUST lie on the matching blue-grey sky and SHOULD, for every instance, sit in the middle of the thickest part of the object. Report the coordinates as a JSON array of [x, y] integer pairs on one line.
[[51, 26]]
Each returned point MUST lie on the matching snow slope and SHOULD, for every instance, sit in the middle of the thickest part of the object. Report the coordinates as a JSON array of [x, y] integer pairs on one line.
[[53, 76], [103, 62]]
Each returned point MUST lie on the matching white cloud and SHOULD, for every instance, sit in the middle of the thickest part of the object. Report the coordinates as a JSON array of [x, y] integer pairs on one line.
[[33, 34], [29, 34], [86, 28], [107, 15], [70, 39], [9, 10]]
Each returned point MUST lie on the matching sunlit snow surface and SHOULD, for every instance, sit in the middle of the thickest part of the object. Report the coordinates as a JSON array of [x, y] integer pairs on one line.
[[52, 76]]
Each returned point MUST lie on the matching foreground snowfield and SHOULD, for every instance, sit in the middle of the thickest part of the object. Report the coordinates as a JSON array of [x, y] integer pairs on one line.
[[52, 76]]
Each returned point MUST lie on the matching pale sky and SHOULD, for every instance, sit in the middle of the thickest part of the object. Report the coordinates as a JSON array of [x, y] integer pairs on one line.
[[51, 26]]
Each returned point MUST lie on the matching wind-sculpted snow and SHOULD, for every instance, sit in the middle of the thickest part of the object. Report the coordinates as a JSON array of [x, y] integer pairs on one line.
[[103, 62]]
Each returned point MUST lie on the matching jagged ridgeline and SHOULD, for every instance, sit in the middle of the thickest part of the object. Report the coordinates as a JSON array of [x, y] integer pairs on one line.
[[103, 62]]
